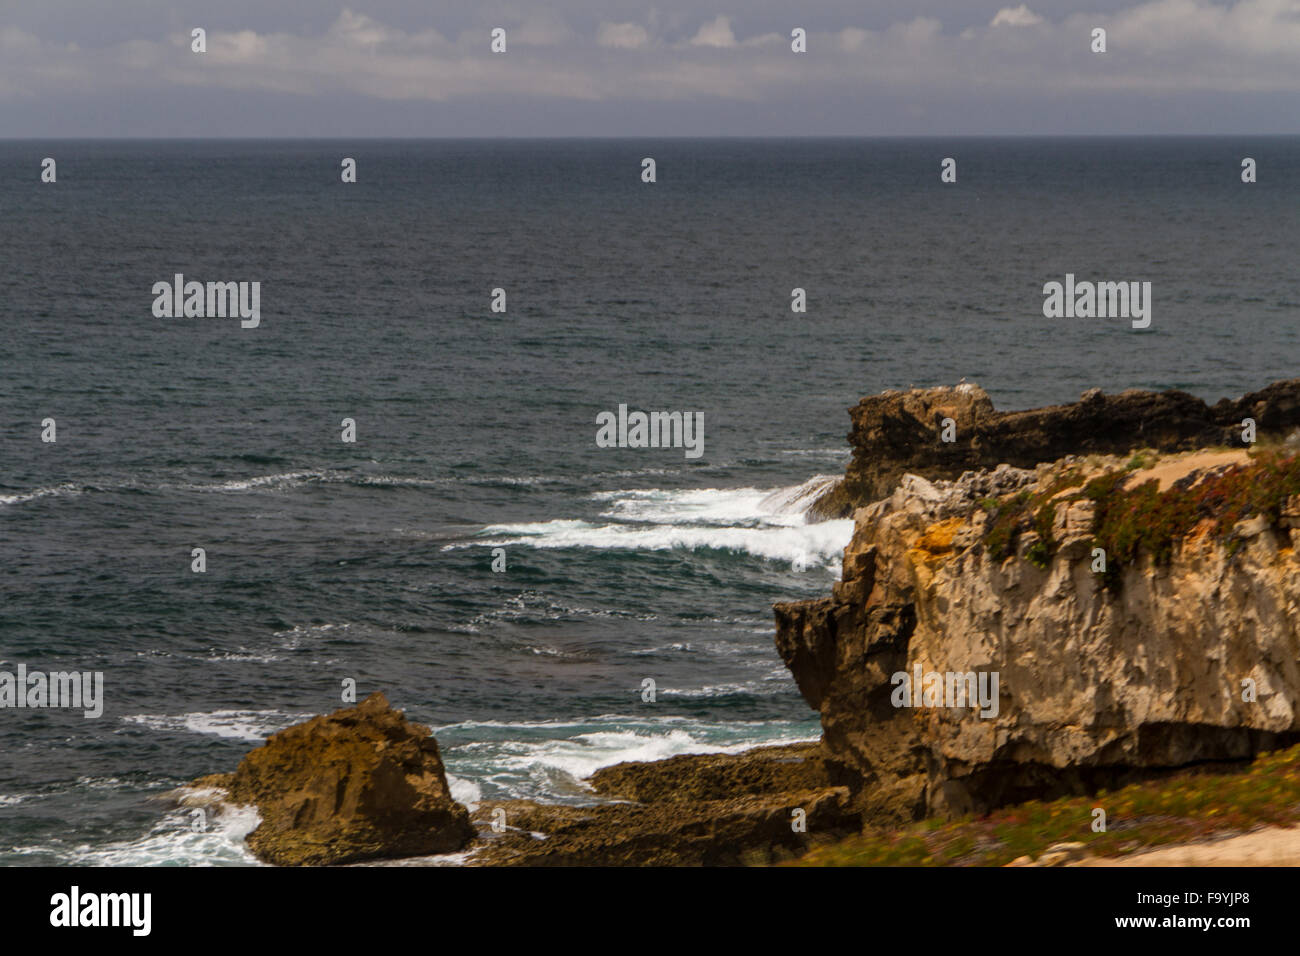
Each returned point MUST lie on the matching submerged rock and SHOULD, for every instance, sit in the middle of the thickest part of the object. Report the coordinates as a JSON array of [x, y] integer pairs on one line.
[[362, 783]]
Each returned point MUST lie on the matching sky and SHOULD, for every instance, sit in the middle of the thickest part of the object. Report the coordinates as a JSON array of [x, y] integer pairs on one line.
[[423, 68]]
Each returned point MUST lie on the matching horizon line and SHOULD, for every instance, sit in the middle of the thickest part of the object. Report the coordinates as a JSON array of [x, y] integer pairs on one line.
[[745, 136]]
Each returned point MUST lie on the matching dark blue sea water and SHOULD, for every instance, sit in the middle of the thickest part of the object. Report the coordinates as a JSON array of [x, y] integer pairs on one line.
[[372, 561]]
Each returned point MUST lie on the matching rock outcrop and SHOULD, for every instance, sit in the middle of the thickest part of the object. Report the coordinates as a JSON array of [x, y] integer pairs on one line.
[[1180, 645], [763, 770], [897, 433], [761, 806], [362, 783]]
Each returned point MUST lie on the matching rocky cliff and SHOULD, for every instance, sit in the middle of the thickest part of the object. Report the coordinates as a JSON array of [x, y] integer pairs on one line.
[[896, 433], [1108, 617]]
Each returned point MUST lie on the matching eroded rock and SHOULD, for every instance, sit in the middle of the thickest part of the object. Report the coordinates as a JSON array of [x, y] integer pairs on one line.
[[361, 783], [760, 806], [899, 432], [1104, 678]]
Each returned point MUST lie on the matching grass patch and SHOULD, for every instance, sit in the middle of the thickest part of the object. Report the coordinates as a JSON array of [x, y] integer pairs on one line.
[[1025, 511], [1141, 519], [1141, 459], [1179, 809], [1131, 521]]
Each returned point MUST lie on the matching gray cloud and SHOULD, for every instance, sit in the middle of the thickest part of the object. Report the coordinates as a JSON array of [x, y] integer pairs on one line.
[[915, 71]]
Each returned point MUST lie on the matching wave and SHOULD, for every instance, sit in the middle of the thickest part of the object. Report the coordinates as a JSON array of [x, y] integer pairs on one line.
[[288, 478], [464, 791], [776, 681], [819, 545], [785, 507], [299, 478], [549, 760], [800, 498], [772, 524], [293, 638], [173, 841], [253, 725], [56, 491]]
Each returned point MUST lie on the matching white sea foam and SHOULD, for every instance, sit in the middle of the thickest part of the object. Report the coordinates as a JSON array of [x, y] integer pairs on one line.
[[783, 507], [758, 688], [548, 760], [57, 491], [243, 655], [174, 842], [234, 724], [768, 523], [818, 544], [677, 647], [464, 791], [799, 498], [556, 767], [289, 478], [745, 728]]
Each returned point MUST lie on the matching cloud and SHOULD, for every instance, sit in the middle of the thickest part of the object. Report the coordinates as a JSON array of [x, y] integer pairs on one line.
[[852, 38], [717, 34], [360, 29], [626, 36], [1173, 47], [242, 47], [538, 30], [1020, 16]]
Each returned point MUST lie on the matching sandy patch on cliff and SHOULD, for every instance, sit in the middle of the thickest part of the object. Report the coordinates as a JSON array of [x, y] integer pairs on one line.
[[1271, 846], [1170, 470]]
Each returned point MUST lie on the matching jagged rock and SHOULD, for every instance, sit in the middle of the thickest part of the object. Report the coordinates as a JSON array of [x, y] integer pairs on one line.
[[716, 776], [691, 810], [362, 783], [1073, 520], [1098, 685], [899, 432], [834, 502], [740, 831]]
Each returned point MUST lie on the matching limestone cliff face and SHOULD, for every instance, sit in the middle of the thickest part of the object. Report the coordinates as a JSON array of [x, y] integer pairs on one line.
[[1101, 677]]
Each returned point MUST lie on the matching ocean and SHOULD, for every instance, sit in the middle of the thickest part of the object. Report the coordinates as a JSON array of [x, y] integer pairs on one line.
[[476, 430]]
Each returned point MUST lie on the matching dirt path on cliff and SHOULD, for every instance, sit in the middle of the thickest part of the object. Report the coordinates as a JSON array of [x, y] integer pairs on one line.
[[1167, 472], [1271, 846]]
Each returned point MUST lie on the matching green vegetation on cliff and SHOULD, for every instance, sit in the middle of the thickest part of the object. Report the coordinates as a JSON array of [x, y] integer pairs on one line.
[[1136, 518], [1177, 809]]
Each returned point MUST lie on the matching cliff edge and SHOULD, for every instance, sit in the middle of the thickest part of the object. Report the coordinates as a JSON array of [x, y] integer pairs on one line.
[[896, 433], [1058, 617]]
